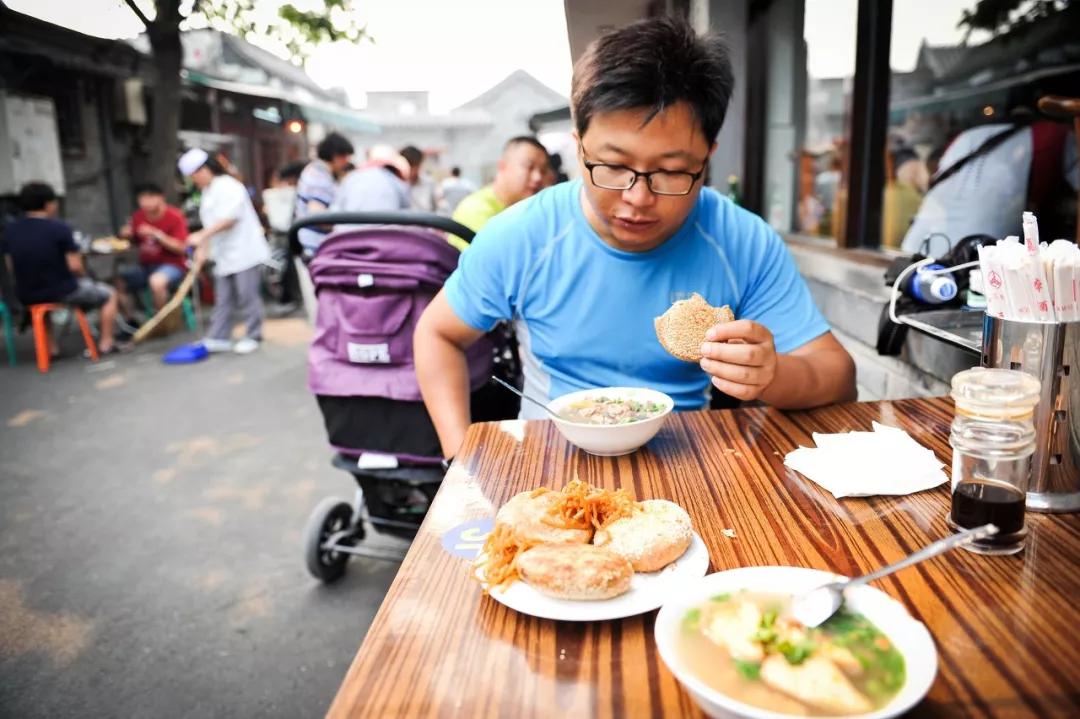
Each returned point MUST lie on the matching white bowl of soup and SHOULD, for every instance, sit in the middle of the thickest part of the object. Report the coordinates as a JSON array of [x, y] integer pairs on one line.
[[730, 641], [613, 420]]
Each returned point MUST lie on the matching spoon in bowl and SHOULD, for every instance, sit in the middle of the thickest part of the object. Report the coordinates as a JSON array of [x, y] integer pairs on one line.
[[815, 607], [521, 394]]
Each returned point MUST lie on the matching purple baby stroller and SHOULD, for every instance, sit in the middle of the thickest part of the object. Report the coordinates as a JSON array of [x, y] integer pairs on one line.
[[372, 282]]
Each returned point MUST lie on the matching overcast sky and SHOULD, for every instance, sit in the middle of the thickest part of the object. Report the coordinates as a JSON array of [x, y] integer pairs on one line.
[[454, 48], [829, 29]]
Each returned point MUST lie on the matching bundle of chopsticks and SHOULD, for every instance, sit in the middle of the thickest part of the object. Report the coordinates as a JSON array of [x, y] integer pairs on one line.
[[1031, 281]]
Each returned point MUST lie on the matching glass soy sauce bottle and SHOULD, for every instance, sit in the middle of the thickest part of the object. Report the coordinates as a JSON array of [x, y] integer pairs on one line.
[[993, 439]]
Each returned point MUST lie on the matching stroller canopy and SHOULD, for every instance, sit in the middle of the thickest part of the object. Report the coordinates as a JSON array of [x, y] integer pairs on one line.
[[372, 285]]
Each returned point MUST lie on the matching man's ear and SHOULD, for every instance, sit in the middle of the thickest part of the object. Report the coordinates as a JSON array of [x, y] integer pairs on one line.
[[712, 149]]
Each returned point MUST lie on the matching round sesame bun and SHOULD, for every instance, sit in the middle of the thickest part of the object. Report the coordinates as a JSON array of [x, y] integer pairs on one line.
[[681, 330], [526, 515], [650, 539], [575, 571]]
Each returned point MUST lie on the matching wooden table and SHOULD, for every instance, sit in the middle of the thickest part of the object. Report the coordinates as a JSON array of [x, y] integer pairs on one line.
[[1006, 628]]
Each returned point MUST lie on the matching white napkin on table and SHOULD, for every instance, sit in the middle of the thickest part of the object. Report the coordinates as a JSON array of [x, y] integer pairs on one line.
[[864, 464]]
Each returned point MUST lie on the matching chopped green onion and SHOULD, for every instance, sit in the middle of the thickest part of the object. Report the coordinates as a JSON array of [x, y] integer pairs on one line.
[[747, 670]]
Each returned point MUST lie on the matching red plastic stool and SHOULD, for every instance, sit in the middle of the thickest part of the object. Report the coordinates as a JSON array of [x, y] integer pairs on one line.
[[38, 315]]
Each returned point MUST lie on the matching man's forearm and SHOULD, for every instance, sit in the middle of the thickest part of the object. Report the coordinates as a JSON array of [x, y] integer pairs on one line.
[[812, 380], [172, 244], [443, 374]]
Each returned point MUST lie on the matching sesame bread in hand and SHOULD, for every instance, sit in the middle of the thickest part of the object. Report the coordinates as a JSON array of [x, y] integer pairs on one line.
[[681, 330]]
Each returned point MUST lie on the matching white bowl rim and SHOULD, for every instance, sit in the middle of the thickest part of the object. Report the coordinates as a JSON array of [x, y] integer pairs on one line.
[[915, 692], [583, 393]]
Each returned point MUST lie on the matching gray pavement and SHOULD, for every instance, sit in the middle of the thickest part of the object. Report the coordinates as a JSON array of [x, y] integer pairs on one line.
[[150, 538]]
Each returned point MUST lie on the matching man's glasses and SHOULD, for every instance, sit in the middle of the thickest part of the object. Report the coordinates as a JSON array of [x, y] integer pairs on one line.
[[660, 182]]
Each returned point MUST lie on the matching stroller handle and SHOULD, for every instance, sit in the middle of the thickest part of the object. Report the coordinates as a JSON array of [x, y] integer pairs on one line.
[[414, 219]]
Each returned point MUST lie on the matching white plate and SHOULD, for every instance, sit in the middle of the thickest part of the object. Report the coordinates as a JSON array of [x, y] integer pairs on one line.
[[647, 592], [909, 636]]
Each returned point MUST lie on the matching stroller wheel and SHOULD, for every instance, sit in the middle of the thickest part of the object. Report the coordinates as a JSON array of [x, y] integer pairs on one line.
[[331, 516]]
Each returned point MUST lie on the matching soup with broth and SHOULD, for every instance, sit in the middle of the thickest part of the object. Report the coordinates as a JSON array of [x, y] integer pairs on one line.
[[746, 646], [605, 410]]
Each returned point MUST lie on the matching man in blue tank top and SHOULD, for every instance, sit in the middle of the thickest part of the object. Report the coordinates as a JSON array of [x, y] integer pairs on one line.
[[582, 268]]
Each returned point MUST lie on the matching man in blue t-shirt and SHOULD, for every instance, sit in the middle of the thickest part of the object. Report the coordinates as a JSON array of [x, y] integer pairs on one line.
[[583, 267], [47, 264]]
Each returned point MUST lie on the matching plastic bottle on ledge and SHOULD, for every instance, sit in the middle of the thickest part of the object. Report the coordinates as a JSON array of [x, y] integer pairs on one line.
[[930, 288]]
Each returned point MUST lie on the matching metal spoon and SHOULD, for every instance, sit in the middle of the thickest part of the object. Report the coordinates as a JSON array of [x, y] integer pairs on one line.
[[816, 606], [521, 394]]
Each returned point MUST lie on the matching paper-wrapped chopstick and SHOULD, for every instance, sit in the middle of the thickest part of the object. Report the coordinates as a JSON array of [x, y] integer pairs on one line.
[[1036, 272], [1032, 281]]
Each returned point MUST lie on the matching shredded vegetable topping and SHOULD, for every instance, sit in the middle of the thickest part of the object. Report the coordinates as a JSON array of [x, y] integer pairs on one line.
[[497, 562], [583, 506], [578, 506]]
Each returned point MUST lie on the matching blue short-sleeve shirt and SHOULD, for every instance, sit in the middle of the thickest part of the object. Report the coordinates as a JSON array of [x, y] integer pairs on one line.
[[584, 310]]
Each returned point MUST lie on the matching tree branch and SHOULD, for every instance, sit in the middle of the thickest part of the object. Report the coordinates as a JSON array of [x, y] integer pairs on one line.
[[138, 13]]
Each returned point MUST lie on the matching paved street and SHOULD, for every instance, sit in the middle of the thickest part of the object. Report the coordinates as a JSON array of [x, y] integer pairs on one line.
[[150, 538]]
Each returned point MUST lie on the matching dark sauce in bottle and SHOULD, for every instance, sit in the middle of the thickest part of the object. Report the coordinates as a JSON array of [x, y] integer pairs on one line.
[[978, 502]]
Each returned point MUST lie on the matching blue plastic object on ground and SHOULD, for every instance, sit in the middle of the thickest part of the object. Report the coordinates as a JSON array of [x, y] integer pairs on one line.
[[186, 354]]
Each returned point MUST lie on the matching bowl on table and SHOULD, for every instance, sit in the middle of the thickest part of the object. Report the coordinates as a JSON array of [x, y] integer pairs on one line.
[[679, 625], [611, 440]]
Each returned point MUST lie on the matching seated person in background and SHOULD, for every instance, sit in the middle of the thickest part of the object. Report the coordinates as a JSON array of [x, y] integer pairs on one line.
[[279, 199], [378, 185], [161, 232], [421, 188], [520, 174], [317, 186], [48, 267], [453, 190], [583, 268], [904, 191], [989, 175]]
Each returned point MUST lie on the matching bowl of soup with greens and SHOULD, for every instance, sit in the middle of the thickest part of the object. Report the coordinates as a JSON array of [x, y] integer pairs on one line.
[[732, 643], [613, 420]]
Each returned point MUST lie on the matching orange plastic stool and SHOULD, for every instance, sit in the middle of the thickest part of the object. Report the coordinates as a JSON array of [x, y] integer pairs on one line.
[[38, 314]]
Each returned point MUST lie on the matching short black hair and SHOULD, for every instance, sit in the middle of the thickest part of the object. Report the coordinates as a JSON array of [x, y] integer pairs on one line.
[[213, 165], [33, 196], [525, 140], [333, 145], [292, 170], [413, 155], [148, 188], [455, 171], [653, 64]]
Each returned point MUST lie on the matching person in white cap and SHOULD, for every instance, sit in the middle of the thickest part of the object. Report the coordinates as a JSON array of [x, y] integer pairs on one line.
[[380, 184], [232, 237]]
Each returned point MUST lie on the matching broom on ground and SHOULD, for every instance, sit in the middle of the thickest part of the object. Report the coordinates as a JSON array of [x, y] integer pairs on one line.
[[172, 305]]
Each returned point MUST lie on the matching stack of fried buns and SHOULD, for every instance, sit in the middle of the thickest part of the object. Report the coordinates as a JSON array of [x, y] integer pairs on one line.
[[581, 542]]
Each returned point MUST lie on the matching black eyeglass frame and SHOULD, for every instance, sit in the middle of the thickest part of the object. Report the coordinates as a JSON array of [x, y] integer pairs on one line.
[[694, 176]]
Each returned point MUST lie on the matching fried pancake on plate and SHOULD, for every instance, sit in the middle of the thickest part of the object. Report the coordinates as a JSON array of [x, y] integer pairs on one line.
[[529, 518], [650, 539], [575, 571], [681, 330]]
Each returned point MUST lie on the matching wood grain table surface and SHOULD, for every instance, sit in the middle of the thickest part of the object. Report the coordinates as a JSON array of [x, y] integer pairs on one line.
[[1007, 629]]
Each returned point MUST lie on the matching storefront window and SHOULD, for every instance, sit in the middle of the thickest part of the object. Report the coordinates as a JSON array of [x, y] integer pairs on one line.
[[968, 150], [808, 111]]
